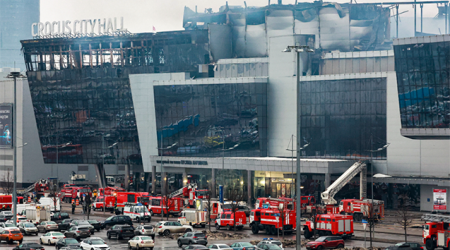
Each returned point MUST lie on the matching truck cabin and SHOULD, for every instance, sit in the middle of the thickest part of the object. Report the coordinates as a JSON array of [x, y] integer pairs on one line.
[[433, 227], [202, 194], [144, 200], [256, 213], [230, 215], [308, 200]]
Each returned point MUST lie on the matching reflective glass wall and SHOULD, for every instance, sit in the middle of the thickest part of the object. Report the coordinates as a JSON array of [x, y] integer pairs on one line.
[[340, 118], [423, 84], [202, 120]]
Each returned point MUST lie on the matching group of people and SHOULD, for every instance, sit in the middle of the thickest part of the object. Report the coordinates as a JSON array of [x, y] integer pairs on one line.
[[87, 208]]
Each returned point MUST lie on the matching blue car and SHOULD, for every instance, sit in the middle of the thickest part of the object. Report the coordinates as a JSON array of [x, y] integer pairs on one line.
[[242, 245]]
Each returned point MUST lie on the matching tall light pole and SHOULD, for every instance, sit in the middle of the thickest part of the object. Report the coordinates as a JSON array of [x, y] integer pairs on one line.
[[298, 49], [103, 163], [162, 166], [371, 219], [15, 75]]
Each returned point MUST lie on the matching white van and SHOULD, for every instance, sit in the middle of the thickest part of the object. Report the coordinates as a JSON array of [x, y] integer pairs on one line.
[[48, 201], [137, 212]]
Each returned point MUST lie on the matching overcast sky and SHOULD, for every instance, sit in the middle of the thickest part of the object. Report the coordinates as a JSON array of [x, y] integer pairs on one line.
[[164, 15]]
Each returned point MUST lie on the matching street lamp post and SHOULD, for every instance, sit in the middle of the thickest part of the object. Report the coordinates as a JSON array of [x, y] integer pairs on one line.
[[103, 163], [15, 75], [162, 166], [371, 219], [298, 49]]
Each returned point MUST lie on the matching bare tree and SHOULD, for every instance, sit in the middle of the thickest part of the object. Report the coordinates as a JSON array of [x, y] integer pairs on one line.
[[7, 182], [282, 209], [404, 217], [54, 194], [209, 206], [235, 195]]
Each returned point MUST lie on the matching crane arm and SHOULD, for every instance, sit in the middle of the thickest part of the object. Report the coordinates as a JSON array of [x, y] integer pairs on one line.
[[328, 195]]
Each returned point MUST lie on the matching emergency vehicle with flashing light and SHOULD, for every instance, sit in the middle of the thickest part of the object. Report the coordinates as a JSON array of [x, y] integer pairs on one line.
[[109, 201], [227, 220], [436, 231], [137, 212], [330, 224]]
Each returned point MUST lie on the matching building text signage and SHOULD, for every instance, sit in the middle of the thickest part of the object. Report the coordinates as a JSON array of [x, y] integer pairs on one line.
[[87, 27]]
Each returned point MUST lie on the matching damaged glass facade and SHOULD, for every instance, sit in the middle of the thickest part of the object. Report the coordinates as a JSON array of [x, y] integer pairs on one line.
[[81, 93], [201, 120], [423, 84], [339, 118]]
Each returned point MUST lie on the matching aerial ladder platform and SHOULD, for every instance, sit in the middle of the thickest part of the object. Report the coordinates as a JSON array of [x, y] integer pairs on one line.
[[359, 167]]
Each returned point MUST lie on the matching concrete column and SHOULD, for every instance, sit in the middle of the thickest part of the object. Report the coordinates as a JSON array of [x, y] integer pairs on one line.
[[154, 180], [327, 180], [163, 183], [363, 183], [213, 183], [249, 188], [127, 176]]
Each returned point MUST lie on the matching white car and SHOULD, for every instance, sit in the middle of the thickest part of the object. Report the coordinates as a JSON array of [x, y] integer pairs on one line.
[[94, 244], [141, 242], [51, 238], [220, 246]]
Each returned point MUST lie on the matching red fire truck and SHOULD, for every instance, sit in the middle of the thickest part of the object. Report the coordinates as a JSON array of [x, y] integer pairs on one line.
[[227, 220], [274, 203], [6, 202], [174, 205], [271, 220], [330, 224], [108, 200], [435, 231], [73, 192], [361, 209], [110, 190]]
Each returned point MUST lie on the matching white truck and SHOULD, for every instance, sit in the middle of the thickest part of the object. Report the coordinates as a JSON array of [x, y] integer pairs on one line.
[[193, 218], [21, 208], [37, 214], [49, 201]]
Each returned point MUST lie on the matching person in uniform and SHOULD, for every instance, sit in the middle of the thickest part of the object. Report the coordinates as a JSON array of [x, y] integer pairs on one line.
[[73, 207]]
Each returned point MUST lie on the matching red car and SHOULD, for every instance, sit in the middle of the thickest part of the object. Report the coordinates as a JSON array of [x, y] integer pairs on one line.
[[326, 242]]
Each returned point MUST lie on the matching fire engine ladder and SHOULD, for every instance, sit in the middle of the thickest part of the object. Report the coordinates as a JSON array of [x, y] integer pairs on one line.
[[356, 168], [436, 218], [31, 187], [180, 191]]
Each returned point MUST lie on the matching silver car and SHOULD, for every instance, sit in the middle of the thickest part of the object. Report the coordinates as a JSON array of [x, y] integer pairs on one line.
[[28, 228], [168, 227], [145, 230]]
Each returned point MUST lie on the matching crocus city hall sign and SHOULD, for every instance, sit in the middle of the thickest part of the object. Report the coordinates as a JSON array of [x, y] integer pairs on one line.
[[89, 27]]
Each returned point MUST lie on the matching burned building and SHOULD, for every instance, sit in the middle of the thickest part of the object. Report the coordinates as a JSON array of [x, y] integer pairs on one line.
[[244, 32], [81, 91]]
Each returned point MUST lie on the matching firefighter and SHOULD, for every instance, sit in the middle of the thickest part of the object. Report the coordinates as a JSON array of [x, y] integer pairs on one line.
[[73, 207], [3, 208], [90, 208]]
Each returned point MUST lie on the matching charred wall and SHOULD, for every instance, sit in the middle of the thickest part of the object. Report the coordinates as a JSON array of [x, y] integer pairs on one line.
[[81, 92]]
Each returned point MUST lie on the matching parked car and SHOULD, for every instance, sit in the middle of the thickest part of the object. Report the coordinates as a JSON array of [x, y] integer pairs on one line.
[[21, 219], [326, 242], [78, 232], [65, 224], [7, 214], [71, 248], [167, 227], [46, 226], [51, 238], [141, 242], [120, 231], [243, 245], [66, 242], [405, 246], [7, 225], [266, 241], [28, 246], [268, 246], [117, 220], [192, 238], [85, 223], [3, 218], [96, 224], [195, 247], [220, 246], [89, 244], [60, 216], [145, 230], [28, 228], [10, 235]]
